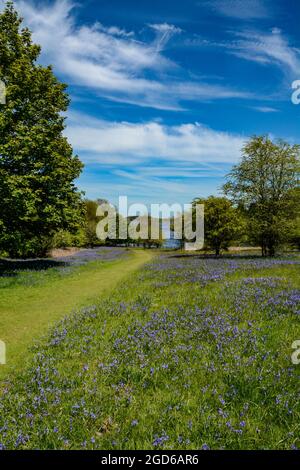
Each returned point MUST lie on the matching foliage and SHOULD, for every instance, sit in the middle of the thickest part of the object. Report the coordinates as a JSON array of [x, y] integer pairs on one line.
[[65, 239], [266, 186], [87, 236], [37, 166], [294, 237], [222, 222], [91, 221]]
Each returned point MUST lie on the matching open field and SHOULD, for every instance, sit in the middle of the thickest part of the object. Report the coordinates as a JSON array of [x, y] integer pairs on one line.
[[188, 353], [35, 294]]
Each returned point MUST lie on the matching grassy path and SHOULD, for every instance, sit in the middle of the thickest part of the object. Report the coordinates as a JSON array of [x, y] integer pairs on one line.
[[26, 312]]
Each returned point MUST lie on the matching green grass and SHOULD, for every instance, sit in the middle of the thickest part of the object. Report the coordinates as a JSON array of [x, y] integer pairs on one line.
[[186, 354], [33, 301]]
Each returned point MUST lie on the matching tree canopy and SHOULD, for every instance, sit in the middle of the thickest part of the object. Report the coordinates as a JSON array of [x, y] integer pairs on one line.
[[265, 184], [222, 222], [37, 165]]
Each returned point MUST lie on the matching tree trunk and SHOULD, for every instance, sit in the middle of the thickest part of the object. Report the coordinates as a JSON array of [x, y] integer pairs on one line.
[[271, 250]]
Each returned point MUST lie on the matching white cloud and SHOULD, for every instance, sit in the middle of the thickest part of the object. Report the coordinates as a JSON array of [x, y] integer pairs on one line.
[[182, 171], [151, 161], [267, 48], [265, 109], [194, 143], [164, 33], [115, 31], [111, 62], [240, 9], [149, 190]]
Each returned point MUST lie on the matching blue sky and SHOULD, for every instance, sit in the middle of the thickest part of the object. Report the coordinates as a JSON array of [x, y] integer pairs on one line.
[[164, 93]]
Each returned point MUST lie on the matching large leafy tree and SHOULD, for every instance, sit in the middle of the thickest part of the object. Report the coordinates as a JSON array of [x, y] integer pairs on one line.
[[37, 166], [222, 222], [266, 185]]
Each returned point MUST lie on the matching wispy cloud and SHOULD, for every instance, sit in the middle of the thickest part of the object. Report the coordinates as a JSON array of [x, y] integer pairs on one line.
[[240, 9], [115, 31], [267, 48], [151, 161], [114, 63], [105, 142], [265, 109], [164, 32]]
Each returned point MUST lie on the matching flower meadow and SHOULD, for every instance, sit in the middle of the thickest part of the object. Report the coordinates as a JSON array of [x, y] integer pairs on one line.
[[30, 272], [87, 255], [188, 353]]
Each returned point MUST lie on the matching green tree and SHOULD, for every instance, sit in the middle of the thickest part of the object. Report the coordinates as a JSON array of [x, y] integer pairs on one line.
[[294, 238], [222, 222], [265, 184], [91, 221], [37, 166], [294, 233]]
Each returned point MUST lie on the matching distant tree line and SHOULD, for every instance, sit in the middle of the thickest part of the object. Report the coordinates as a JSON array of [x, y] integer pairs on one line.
[[86, 235], [260, 206]]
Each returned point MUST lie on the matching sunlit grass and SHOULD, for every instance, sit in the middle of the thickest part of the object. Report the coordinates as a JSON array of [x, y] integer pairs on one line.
[[31, 301]]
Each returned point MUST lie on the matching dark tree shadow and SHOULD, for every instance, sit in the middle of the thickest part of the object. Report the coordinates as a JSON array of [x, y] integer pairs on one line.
[[11, 267]]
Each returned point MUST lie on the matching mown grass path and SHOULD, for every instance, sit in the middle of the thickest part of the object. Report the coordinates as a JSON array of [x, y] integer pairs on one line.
[[27, 311], [187, 353]]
